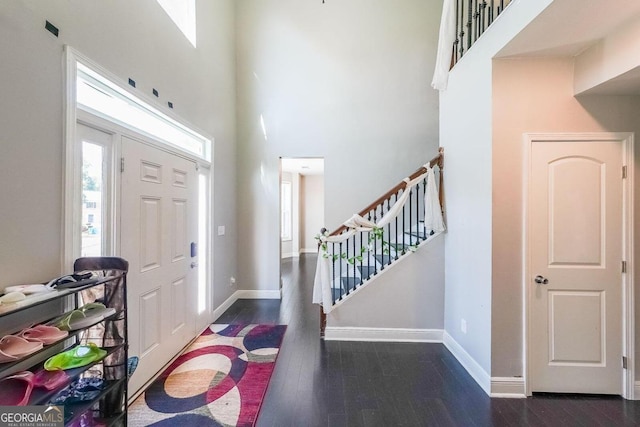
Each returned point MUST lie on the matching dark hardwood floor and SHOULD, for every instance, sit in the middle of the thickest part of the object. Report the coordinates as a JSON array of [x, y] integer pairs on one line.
[[319, 383]]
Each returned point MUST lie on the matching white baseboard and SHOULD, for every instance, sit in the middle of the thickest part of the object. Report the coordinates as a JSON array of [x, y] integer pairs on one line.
[[225, 306], [291, 255], [259, 294], [309, 250], [510, 387], [475, 370], [244, 294], [636, 391], [382, 334]]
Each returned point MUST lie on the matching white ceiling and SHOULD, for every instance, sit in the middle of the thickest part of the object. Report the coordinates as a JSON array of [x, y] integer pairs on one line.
[[303, 166], [568, 27]]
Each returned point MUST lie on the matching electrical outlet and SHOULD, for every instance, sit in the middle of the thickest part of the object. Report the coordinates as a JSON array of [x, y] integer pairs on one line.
[[232, 281], [463, 326]]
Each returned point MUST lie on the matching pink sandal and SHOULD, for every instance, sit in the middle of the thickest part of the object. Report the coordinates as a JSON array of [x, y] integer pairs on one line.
[[44, 334], [14, 348], [16, 389], [50, 379]]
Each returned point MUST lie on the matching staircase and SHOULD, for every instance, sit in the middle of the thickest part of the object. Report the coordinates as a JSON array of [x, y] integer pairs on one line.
[[350, 275], [382, 234]]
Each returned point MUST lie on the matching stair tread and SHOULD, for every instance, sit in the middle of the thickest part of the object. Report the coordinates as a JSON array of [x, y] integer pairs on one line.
[[349, 283], [384, 259], [420, 234], [399, 245], [366, 271]]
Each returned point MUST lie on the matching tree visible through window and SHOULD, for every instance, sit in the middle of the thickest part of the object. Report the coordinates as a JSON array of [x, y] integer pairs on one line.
[[92, 197]]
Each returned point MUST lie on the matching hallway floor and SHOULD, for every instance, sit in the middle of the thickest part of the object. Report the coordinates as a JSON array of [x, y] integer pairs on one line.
[[332, 383]]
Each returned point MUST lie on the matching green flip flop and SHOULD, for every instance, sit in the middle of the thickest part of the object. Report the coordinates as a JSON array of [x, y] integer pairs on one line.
[[84, 316], [76, 357]]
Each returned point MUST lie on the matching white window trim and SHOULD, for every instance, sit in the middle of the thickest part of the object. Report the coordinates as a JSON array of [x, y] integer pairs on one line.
[[103, 84], [72, 189]]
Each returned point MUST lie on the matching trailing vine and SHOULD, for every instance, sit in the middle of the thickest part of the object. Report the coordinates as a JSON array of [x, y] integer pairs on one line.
[[375, 235]]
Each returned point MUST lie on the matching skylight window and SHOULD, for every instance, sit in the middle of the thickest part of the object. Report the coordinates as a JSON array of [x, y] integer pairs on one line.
[[183, 14]]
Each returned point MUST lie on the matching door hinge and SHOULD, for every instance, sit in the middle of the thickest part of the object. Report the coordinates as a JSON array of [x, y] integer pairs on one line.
[[624, 266], [624, 362], [624, 172], [121, 164]]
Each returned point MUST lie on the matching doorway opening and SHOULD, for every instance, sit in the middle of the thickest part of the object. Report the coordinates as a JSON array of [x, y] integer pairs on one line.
[[301, 207]]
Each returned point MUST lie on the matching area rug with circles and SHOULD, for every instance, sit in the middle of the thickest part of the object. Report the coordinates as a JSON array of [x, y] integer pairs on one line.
[[220, 380]]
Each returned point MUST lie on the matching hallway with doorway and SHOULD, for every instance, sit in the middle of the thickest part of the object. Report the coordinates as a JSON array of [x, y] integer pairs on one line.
[[333, 383]]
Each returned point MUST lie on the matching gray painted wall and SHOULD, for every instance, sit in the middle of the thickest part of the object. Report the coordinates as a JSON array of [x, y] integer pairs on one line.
[[466, 134], [131, 39], [347, 81]]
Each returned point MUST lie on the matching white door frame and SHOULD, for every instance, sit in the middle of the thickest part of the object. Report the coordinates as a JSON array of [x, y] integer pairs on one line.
[[628, 318], [73, 162]]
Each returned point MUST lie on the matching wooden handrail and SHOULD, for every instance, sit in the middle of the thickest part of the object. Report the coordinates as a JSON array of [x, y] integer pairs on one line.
[[437, 160]]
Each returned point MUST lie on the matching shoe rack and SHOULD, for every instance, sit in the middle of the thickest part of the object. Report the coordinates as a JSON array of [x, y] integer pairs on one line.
[[108, 406]]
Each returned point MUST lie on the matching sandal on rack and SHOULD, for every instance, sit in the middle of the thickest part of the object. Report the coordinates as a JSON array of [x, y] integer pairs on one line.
[[14, 348], [97, 309], [28, 289], [72, 281], [11, 297], [44, 334], [50, 380], [83, 389], [84, 316], [16, 389], [76, 357]]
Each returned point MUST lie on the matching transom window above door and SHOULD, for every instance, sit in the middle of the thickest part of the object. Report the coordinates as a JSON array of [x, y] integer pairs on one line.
[[98, 95]]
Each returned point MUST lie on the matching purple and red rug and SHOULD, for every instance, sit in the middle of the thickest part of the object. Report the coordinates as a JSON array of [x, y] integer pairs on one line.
[[220, 380]]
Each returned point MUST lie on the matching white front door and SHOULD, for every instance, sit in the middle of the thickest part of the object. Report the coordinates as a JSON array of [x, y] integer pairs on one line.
[[157, 224], [575, 266]]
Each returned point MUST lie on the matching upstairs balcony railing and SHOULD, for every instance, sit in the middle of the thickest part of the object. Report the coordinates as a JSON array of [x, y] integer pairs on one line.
[[473, 17]]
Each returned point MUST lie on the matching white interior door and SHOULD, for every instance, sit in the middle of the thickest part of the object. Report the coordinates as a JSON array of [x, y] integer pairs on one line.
[[575, 259], [158, 223]]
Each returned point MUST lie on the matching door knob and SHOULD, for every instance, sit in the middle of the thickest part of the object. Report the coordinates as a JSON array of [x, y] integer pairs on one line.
[[541, 280], [194, 264]]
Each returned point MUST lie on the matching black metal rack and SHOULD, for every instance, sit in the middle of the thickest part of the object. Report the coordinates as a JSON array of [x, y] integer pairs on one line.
[[109, 407]]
